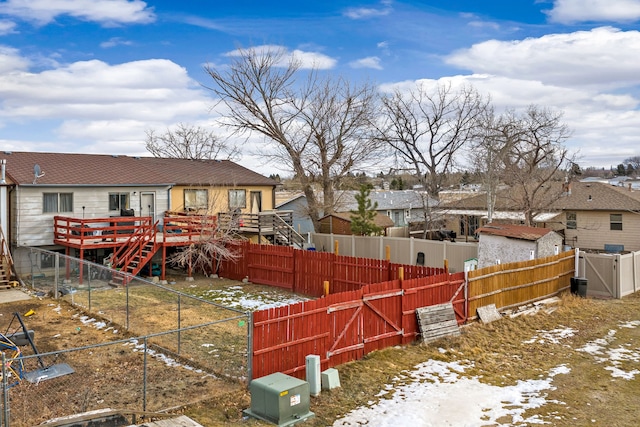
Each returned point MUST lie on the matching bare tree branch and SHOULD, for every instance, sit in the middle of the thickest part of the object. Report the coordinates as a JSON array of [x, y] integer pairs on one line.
[[190, 142], [526, 153], [319, 128], [427, 128]]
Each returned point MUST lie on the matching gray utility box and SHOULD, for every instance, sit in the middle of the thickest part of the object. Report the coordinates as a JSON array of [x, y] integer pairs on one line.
[[280, 399]]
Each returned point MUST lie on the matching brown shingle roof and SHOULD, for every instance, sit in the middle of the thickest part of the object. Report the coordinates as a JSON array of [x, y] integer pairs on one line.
[[583, 196], [105, 170], [515, 231], [380, 220]]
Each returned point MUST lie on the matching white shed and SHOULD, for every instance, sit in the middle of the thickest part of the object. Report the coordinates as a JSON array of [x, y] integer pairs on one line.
[[503, 243]]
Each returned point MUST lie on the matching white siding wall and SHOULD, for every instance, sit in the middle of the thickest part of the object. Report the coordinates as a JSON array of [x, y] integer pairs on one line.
[[32, 227]]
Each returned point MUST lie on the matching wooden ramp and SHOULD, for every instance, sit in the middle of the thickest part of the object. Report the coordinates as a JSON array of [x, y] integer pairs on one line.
[[437, 321]]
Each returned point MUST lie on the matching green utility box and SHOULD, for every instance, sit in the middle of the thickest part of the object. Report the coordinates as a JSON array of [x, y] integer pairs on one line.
[[279, 399]]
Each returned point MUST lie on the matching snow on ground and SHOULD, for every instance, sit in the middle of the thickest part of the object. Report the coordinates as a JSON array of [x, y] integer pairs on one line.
[[236, 297], [430, 395]]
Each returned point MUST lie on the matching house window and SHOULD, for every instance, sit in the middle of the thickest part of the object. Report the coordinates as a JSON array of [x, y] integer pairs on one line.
[[572, 223], [615, 221], [196, 200], [237, 199], [118, 201], [57, 202]]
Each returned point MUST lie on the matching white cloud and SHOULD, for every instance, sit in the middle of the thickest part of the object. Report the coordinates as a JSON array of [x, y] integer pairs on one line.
[[603, 56], [109, 105], [7, 27], [115, 41], [306, 59], [597, 118], [11, 61], [107, 12], [368, 12], [368, 62], [573, 11], [484, 24]]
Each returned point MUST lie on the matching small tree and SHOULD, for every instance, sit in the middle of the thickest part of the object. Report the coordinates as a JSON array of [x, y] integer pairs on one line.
[[362, 220]]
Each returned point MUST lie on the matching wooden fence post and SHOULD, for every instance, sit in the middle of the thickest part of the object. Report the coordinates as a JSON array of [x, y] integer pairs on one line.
[[387, 253], [326, 287], [401, 273], [336, 247], [446, 266]]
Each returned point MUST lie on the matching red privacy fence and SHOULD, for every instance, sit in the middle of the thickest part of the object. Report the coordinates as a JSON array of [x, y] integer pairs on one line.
[[372, 303], [305, 272], [346, 326]]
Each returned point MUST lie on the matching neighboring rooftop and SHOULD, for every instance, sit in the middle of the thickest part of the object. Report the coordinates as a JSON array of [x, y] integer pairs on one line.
[[578, 196], [67, 169]]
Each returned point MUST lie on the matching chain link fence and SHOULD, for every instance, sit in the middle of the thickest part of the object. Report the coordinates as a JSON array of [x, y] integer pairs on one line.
[[177, 349]]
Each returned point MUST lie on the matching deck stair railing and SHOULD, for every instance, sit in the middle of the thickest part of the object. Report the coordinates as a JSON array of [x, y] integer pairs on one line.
[[133, 255], [277, 227]]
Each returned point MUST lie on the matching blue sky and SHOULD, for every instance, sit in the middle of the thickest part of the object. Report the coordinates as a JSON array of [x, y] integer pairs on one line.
[[93, 75]]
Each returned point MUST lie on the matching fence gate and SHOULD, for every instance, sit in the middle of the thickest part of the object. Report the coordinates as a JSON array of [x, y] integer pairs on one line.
[[346, 332], [600, 270], [382, 313]]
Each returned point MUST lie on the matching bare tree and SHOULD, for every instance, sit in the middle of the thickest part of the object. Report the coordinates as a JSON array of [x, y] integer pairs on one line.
[[215, 240], [526, 153], [190, 142], [490, 153], [319, 128], [427, 128]]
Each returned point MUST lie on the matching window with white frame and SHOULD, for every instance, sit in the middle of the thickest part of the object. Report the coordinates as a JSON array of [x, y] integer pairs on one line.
[[237, 199], [615, 221], [118, 201], [57, 202], [196, 199]]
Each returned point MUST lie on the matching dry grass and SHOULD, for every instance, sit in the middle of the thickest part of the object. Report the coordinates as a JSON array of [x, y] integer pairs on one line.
[[589, 395], [499, 356]]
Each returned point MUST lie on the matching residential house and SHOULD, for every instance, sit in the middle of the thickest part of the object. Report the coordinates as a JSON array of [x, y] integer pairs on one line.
[[404, 207], [590, 215], [52, 197], [600, 217], [340, 223], [296, 204], [504, 243]]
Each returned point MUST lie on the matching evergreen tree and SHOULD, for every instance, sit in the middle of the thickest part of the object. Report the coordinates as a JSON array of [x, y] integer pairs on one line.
[[362, 220]]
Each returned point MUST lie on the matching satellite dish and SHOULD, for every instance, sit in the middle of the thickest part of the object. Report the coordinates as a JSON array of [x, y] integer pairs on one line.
[[37, 172]]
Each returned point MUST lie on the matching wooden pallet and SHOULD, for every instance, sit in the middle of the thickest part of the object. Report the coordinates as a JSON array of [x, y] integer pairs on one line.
[[437, 321]]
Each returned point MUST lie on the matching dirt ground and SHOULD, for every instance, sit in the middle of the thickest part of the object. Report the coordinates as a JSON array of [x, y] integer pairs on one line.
[[111, 376]]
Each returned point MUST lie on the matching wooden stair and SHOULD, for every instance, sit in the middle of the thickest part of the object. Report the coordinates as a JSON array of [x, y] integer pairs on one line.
[[5, 276], [134, 254], [6, 263]]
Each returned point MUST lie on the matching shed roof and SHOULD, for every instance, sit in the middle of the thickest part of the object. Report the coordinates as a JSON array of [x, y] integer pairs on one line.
[[514, 231]]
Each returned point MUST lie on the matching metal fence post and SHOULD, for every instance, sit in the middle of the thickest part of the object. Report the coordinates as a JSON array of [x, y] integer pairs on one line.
[[89, 266], [5, 393], [144, 377], [179, 324], [250, 346], [56, 280], [127, 306]]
